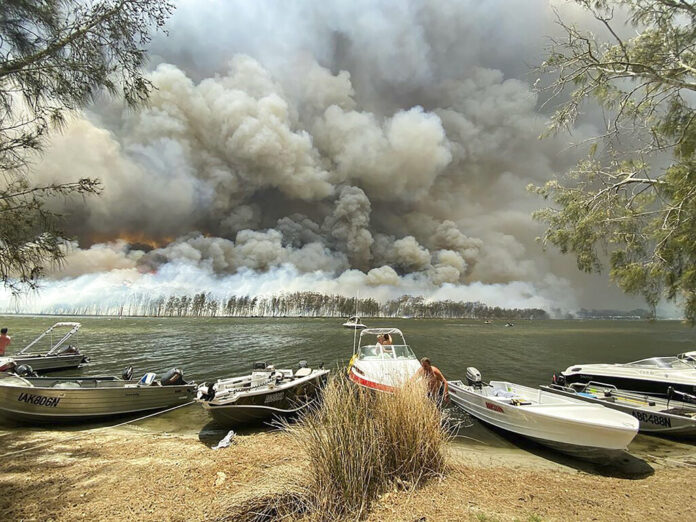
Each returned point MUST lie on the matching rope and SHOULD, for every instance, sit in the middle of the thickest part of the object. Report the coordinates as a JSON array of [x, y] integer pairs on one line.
[[94, 430]]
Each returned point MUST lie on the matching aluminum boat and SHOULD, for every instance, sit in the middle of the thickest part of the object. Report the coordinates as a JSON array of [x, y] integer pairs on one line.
[[566, 424], [658, 416], [653, 376], [59, 355], [71, 399], [354, 323], [382, 367], [264, 394]]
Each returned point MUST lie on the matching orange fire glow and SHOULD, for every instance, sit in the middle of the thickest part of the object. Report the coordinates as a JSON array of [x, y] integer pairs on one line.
[[131, 238]]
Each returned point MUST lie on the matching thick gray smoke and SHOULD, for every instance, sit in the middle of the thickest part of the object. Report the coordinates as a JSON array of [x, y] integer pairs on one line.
[[394, 138]]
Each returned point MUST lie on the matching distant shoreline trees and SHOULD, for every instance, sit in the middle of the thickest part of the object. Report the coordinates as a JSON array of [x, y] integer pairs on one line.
[[298, 304]]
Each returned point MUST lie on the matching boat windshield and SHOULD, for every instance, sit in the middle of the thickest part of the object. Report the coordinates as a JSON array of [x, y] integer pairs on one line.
[[389, 352], [663, 362]]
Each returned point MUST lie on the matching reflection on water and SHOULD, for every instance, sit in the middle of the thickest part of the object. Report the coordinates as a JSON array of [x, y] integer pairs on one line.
[[207, 349]]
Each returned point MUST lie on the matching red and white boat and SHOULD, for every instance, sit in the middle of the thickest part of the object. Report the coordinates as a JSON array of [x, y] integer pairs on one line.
[[382, 367]]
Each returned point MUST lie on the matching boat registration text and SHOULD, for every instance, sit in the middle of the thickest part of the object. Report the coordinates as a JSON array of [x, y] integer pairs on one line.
[[39, 400], [652, 419], [494, 407]]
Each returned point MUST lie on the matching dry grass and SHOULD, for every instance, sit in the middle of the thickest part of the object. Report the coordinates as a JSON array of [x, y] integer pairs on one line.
[[360, 444]]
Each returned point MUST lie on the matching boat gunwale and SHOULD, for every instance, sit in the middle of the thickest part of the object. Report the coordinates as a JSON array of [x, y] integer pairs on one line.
[[601, 402]]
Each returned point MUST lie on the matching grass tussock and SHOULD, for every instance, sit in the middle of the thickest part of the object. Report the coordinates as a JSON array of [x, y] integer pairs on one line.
[[360, 444]]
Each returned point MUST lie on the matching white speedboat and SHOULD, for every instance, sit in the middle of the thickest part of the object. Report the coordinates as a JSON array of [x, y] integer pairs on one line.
[[264, 394], [382, 367], [354, 323], [566, 424], [671, 416], [58, 356], [653, 376]]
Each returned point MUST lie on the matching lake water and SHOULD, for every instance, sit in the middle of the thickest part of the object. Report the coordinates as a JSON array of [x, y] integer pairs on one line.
[[206, 349]]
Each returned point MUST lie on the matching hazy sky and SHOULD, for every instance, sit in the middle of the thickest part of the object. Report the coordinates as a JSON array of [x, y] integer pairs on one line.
[[380, 146]]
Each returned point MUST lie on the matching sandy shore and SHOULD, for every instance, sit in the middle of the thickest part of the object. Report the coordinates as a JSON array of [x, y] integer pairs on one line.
[[133, 474]]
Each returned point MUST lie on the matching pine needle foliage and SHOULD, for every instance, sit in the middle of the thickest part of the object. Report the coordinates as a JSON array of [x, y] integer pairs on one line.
[[55, 57]]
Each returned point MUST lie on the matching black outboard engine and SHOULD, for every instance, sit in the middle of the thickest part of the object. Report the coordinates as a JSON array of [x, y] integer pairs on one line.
[[67, 350], [24, 370], [473, 377], [127, 374], [174, 377], [260, 366]]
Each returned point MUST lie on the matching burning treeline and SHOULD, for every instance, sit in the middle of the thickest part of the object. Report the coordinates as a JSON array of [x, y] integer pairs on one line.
[[299, 304]]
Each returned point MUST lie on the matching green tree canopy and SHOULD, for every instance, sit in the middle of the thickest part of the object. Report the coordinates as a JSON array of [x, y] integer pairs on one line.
[[55, 55], [632, 200]]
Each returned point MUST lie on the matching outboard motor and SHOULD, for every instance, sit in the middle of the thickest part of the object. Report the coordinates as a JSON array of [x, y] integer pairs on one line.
[[174, 377], [127, 374], [259, 366], [303, 364], [24, 370], [473, 377]]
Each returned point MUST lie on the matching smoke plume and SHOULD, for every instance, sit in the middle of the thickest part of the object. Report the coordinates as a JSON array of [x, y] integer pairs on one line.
[[342, 146]]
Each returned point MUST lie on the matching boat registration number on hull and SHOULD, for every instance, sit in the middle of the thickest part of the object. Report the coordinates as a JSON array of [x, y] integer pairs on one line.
[[39, 400], [652, 419], [494, 407]]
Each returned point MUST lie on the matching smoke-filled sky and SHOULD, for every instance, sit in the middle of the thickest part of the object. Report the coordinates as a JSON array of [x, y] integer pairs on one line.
[[342, 146]]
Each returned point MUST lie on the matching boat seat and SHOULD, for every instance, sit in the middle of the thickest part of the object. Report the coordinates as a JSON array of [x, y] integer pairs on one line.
[[303, 372]]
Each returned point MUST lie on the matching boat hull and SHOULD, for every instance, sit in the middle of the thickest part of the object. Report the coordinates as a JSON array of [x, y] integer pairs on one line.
[[549, 427], [367, 383], [650, 384], [42, 363], [382, 375], [650, 421], [42, 405], [249, 410]]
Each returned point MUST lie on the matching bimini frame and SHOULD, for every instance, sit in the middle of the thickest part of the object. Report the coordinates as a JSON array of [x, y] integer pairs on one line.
[[54, 347]]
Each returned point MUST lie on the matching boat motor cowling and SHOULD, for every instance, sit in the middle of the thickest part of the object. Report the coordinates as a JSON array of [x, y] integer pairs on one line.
[[127, 374], [24, 370], [173, 377], [473, 377]]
